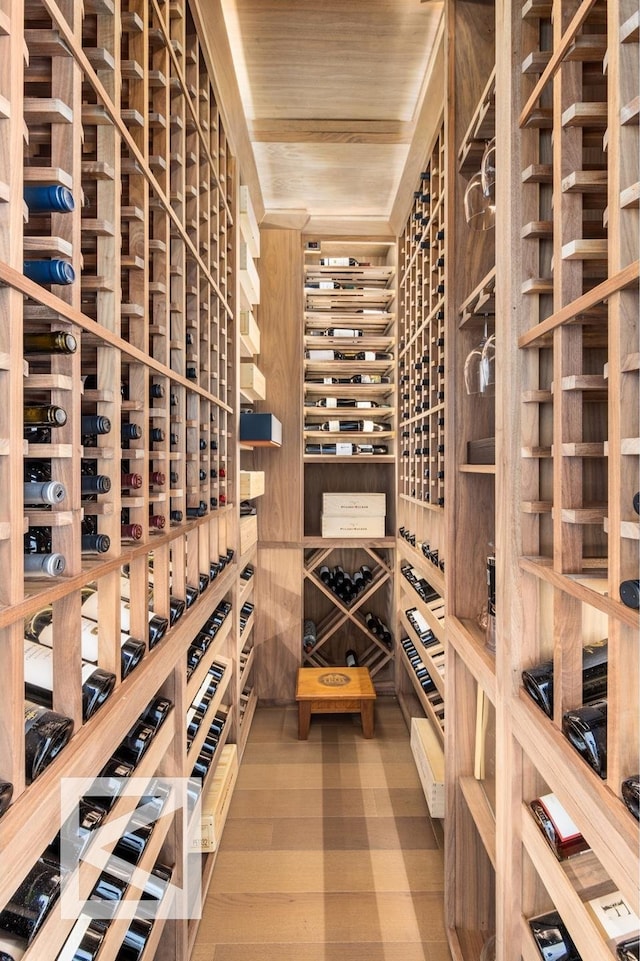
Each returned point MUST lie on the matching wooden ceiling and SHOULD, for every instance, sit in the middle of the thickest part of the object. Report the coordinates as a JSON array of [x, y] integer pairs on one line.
[[333, 92]]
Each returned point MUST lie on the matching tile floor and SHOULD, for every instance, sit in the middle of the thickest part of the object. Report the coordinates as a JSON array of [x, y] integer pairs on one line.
[[328, 853]]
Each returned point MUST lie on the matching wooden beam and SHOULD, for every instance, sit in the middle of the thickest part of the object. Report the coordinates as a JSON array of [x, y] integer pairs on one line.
[[311, 130]]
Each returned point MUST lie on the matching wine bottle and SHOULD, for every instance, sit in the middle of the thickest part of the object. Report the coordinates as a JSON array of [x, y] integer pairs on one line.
[[74, 836], [131, 846], [630, 790], [49, 271], [629, 949], [156, 391], [46, 733], [348, 402], [351, 658], [94, 424], [110, 889], [368, 379], [25, 913], [347, 426], [135, 940], [44, 415], [630, 593], [130, 431], [157, 625], [48, 198], [157, 478], [6, 793], [135, 744], [85, 940], [97, 684], [345, 449], [552, 938], [40, 629], [325, 575], [323, 354], [92, 541], [309, 635], [130, 481], [91, 482], [44, 565], [586, 729], [538, 680], [157, 522], [372, 355], [48, 342], [44, 492]]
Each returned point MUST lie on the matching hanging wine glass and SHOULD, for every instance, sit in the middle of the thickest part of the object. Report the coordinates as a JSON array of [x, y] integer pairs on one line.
[[473, 366], [488, 367], [488, 952], [488, 170], [479, 210]]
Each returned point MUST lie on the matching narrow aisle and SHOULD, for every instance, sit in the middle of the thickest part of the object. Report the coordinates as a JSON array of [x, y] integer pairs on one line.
[[328, 852]]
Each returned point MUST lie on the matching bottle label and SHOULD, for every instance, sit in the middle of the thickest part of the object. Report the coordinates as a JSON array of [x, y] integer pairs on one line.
[[334, 426], [345, 332], [369, 355], [364, 404], [344, 450], [322, 355], [325, 285], [331, 402], [327, 380], [38, 665]]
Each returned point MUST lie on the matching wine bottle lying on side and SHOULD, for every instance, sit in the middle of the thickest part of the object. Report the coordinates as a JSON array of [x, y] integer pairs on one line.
[[586, 729], [538, 680]]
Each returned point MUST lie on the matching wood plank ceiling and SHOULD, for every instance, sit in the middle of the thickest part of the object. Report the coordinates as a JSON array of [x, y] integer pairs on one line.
[[333, 92]]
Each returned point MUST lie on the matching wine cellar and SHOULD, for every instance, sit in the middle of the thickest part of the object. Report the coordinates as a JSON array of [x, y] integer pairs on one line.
[[243, 437]]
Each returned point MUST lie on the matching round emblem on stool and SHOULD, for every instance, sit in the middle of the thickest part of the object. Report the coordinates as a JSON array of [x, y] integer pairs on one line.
[[334, 679]]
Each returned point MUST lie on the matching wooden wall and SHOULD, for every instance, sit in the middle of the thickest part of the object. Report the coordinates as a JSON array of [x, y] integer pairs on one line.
[[279, 584]]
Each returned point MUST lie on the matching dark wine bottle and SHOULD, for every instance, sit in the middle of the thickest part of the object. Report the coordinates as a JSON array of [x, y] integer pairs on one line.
[[630, 790], [90, 481], [372, 355], [351, 658], [156, 391], [92, 541], [6, 793], [88, 933], [30, 904], [48, 342], [94, 424], [49, 271], [586, 729], [538, 680], [309, 635], [48, 198], [46, 733], [345, 449], [630, 593], [135, 940], [552, 938], [130, 431], [97, 684], [44, 565]]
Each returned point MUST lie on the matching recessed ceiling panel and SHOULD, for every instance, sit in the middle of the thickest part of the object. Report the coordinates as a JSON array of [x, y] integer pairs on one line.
[[330, 178]]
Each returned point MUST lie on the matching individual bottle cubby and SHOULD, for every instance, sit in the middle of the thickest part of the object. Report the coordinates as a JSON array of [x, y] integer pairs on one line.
[[362, 622]]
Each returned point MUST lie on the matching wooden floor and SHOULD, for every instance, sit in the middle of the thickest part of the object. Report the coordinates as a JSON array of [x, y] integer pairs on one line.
[[329, 853]]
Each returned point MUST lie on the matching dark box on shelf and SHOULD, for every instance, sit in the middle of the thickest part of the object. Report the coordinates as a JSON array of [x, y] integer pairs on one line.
[[481, 451], [260, 429]]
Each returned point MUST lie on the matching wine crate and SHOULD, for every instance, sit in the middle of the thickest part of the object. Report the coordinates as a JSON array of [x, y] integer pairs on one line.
[[249, 280], [429, 757], [251, 483], [354, 504], [252, 383], [249, 334], [260, 429], [215, 805], [248, 222], [248, 532], [348, 526]]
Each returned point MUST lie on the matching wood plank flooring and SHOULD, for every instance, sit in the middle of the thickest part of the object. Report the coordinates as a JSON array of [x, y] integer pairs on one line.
[[328, 853]]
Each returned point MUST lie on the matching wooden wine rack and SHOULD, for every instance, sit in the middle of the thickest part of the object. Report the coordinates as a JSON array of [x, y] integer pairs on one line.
[[116, 103], [560, 289]]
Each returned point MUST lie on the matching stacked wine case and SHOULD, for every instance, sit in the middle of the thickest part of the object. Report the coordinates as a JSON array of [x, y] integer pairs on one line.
[[119, 382]]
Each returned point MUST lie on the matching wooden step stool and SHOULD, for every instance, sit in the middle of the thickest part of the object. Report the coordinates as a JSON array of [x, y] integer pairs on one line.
[[343, 690]]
